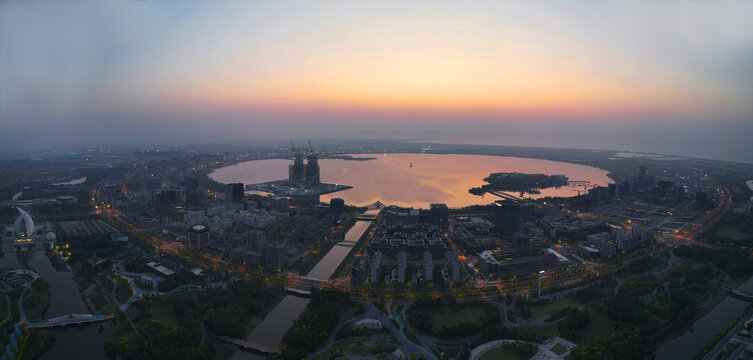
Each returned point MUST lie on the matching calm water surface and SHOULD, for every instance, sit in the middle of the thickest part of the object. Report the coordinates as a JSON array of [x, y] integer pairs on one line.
[[329, 263], [271, 330], [78, 342], [711, 324], [432, 179]]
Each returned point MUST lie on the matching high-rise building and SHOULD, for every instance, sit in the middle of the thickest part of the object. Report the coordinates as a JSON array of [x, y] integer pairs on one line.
[[527, 212], [376, 267], [642, 234], [428, 267], [506, 216], [439, 215], [191, 183], [167, 196], [256, 240], [358, 271], [402, 266], [297, 171], [193, 197], [453, 266], [701, 200], [234, 192], [275, 257], [312, 169], [337, 205], [198, 237], [625, 240]]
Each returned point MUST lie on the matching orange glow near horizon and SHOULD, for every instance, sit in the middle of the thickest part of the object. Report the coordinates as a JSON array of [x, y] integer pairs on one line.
[[500, 93], [397, 76]]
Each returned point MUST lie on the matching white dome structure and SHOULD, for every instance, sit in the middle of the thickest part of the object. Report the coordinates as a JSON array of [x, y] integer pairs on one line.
[[24, 225]]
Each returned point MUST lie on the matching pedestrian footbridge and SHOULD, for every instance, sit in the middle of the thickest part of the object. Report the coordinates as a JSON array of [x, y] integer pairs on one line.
[[250, 345], [70, 319]]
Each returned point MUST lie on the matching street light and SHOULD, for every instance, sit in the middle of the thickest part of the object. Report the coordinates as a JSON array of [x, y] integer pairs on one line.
[[542, 273]]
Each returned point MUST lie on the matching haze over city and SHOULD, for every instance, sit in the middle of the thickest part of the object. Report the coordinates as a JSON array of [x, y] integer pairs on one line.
[[376, 180], [671, 77]]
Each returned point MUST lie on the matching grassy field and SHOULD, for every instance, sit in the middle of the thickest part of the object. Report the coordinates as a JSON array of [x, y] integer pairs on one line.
[[123, 291], [3, 307], [471, 315], [555, 306], [162, 311], [732, 232], [598, 326], [37, 343], [549, 330], [36, 300]]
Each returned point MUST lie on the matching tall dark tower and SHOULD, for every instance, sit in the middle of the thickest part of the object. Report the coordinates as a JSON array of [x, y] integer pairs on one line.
[[297, 171], [312, 169], [506, 216], [643, 177]]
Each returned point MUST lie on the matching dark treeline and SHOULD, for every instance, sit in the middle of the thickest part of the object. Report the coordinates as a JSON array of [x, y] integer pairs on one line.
[[170, 327], [315, 325]]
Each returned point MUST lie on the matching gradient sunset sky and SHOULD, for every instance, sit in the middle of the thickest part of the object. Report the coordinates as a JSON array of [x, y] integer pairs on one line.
[[660, 76]]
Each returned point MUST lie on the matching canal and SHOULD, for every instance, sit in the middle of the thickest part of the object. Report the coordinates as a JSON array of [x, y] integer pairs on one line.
[[711, 324], [78, 342], [274, 326]]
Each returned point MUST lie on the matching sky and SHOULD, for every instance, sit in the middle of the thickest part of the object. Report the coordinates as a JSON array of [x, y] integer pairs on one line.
[[670, 77]]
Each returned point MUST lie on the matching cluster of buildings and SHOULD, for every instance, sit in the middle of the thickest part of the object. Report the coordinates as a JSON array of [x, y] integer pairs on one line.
[[377, 267], [518, 262], [269, 231], [259, 236], [406, 246], [608, 243], [410, 238]]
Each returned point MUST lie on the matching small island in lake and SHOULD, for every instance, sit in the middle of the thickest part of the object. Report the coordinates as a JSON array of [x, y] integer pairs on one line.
[[519, 182]]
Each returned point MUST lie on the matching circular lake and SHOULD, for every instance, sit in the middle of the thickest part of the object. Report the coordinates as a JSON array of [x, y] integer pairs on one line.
[[432, 179]]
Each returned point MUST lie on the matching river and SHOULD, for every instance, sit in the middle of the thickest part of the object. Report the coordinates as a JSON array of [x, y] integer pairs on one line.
[[711, 324], [79, 342], [329, 263], [433, 178], [274, 326]]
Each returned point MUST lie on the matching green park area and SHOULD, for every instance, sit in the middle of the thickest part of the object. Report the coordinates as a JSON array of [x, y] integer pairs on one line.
[[553, 307], [4, 307], [36, 300], [519, 351], [598, 326], [733, 229], [325, 312], [448, 318], [171, 326]]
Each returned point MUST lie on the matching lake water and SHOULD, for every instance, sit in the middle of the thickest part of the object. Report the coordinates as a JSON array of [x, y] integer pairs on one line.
[[77, 342], [432, 179]]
